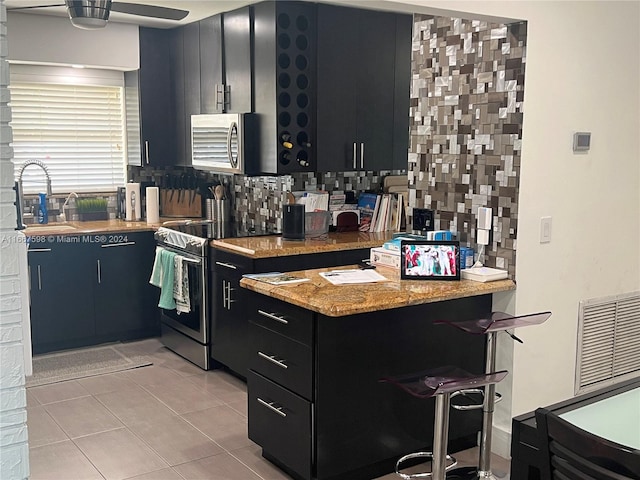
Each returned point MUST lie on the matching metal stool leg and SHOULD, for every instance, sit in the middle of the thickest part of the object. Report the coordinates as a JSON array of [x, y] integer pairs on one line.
[[440, 436]]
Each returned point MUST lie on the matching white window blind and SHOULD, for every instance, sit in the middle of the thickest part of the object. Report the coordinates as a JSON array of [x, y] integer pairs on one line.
[[77, 131]]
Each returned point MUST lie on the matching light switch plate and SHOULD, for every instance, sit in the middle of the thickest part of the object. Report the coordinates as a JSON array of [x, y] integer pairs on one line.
[[545, 229]]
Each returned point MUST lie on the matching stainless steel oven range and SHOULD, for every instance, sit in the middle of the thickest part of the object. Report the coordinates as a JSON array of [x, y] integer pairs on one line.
[[188, 334]]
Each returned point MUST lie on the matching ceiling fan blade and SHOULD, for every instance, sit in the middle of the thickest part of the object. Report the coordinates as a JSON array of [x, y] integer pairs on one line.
[[149, 11], [37, 6]]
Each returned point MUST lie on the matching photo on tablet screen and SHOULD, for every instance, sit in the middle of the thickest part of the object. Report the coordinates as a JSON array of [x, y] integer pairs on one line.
[[430, 260]]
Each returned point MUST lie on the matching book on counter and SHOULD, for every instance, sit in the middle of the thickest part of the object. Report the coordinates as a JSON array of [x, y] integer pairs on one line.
[[276, 278]]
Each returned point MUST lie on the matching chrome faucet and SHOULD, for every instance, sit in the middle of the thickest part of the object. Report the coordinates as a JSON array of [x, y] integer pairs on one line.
[[20, 195]]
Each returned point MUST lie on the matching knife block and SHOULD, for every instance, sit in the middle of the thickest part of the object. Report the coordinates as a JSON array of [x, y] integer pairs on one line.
[[180, 203]]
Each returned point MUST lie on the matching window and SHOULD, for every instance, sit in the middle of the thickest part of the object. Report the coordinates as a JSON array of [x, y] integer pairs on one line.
[[74, 126]]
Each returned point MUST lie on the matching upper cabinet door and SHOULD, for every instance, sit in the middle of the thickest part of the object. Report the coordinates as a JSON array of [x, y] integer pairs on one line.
[[359, 91], [375, 89], [337, 84], [404, 27], [238, 62], [157, 110], [211, 65]]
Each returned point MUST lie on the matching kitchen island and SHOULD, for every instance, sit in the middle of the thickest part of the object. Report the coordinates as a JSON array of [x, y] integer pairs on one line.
[[318, 351]]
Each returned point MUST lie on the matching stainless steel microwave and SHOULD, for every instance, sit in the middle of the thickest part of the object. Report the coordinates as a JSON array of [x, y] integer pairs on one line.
[[223, 142]]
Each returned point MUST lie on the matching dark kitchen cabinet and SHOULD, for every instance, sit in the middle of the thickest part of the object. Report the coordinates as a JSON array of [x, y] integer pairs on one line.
[[316, 405], [226, 62], [229, 323], [363, 95], [157, 108], [185, 84], [61, 277], [91, 289], [211, 65], [124, 300], [238, 67]]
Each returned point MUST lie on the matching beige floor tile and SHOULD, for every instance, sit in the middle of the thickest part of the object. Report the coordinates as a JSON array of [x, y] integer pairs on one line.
[[176, 441], [42, 429], [222, 384], [135, 405], [82, 416], [32, 401], [223, 425], [119, 454], [58, 392], [252, 457], [151, 375], [164, 474], [240, 407], [218, 467], [111, 382], [62, 460], [182, 396]]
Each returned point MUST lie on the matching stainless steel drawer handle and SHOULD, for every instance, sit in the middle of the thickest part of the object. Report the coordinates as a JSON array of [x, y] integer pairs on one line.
[[273, 316], [122, 244], [39, 250], [228, 265], [270, 406], [272, 359]]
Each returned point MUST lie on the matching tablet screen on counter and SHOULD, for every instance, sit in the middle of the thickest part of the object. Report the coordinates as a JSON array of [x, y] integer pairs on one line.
[[429, 260]]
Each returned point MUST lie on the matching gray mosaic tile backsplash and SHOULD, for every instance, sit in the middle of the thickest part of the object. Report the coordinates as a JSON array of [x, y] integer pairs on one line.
[[466, 127]]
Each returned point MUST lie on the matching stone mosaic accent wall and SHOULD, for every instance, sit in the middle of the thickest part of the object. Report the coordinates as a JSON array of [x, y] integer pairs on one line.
[[466, 127], [257, 201]]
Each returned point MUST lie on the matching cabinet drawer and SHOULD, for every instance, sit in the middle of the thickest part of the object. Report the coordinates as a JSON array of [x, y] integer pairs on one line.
[[283, 318], [281, 359], [280, 422]]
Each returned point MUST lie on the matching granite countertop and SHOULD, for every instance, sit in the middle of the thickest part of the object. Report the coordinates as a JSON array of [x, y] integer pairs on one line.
[[97, 226], [322, 297], [276, 246]]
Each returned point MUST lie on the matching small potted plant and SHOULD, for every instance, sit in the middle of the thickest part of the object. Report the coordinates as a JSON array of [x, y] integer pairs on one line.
[[92, 209]]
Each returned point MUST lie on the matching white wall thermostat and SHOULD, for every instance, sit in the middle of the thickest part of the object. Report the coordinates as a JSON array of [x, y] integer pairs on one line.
[[581, 141]]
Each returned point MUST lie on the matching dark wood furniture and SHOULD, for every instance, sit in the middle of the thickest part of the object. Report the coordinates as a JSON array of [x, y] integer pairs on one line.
[[572, 453], [157, 108], [325, 415], [229, 312], [362, 89], [525, 449], [91, 289]]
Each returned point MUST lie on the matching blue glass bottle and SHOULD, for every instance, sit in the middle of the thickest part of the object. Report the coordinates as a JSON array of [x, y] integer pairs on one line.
[[43, 214]]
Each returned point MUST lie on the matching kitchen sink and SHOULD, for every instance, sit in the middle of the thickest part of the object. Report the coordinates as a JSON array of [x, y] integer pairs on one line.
[[47, 228]]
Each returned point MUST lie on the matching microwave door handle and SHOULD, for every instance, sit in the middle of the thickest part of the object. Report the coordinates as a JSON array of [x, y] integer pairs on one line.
[[232, 128]]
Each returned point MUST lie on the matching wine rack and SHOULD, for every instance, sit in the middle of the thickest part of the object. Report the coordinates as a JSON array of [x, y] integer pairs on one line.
[[295, 71]]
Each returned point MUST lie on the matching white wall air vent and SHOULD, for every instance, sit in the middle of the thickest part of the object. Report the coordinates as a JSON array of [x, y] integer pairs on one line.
[[608, 341]]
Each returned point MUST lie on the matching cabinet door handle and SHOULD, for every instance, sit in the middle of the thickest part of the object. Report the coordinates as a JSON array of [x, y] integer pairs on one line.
[[39, 250], [228, 265], [229, 299], [219, 97], [99, 273], [123, 244], [224, 293], [227, 96], [146, 151], [273, 316], [272, 359], [361, 156], [270, 406], [355, 154], [39, 279]]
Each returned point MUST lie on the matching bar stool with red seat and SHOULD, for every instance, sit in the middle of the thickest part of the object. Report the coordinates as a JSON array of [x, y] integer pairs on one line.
[[440, 383], [489, 326]]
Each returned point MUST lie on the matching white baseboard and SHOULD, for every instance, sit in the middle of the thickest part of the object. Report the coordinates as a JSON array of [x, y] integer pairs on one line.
[[501, 442]]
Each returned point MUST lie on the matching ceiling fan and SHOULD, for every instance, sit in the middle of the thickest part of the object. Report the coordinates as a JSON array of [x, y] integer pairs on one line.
[[94, 14]]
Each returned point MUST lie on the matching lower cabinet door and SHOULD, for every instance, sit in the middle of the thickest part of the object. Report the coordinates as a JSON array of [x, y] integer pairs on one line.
[[280, 422]]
